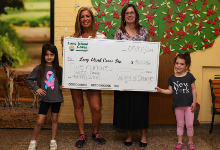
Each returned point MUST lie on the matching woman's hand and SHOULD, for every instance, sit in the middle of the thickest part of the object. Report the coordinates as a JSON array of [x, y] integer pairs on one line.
[[41, 92], [62, 37], [193, 107], [63, 89]]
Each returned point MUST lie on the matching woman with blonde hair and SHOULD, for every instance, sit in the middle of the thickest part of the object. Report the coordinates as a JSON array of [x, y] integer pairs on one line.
[[85, 28]]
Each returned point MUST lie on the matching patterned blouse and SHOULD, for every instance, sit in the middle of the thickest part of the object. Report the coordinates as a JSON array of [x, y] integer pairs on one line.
[[141, 36]]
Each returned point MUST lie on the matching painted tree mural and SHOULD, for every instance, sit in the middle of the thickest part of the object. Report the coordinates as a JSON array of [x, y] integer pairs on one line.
[[181, 25]]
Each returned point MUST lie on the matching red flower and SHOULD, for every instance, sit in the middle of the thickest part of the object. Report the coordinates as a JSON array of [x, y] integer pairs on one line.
[[153, 33], [169, 20], [208, 14], [189, 2], [109, 1], [168, 35], [169, 52], [149, 19], [103, 14], [127, 1], [168, 31], [97, 23], [153, 28], [116, 12], [204, 40], [139, 7], [184, 16], [180, 36], [187, 45], [150, 31], [180, 14], [193, 1], [107, 4], [168, 15], [197, 12], [164, 51], [152, 7], [216, 29], [104, 33], [216, 19], [216, 33], [210, 44], [147, 16], [179, 1], [152, 2], [205, 2], [99, 15], [97, 27], [105, 24], [98, 9], [212, 12], [219, 29], [184, 48], [200, 24], [164, 17], [109, 22], [122, 3], [183, 34], [193, 11], [206, 45], [110, 26], [172, 31], [181, 19], [210, 21], [209, 10], [114, 15], [213, 23], [200, 28], [166, 48], [191, 46], [179, 32], [140, 2], [152, 16], [143, 4], [117, 16], [175, 1]]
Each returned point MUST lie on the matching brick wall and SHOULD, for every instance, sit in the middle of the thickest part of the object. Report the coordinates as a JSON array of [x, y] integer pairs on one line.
[[64, 17]]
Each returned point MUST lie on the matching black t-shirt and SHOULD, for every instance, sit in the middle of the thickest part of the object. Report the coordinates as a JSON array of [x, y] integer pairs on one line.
[[182, 91]]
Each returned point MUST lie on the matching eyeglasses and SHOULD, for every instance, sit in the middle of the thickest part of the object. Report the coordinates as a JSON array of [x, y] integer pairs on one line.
[[131, 13]]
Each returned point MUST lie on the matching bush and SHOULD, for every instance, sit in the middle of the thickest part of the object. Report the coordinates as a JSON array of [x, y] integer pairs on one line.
[[12, 49]]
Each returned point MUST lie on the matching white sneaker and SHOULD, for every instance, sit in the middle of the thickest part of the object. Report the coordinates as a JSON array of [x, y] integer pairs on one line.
[[33, 145], [53, 145]]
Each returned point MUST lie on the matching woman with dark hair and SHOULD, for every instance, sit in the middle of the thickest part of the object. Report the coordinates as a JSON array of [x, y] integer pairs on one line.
[[85, 28], [131, 107]]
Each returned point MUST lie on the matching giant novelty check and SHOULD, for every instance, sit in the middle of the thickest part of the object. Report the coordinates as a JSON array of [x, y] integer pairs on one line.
[[110, 64]]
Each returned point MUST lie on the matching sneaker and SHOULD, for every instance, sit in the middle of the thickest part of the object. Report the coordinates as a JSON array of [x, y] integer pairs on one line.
[[191, 146], [53, 145], [178, 146], [98, 138], [81, 141], [33, 145]]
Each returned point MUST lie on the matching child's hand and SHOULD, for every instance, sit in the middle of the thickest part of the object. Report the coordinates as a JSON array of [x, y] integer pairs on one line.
[[158, 89], [41, 92], [193, 107], [63, 89]]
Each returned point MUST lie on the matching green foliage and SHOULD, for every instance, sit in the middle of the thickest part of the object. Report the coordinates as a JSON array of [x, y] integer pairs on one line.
[[181, 25], [12, 49], [10, 3]]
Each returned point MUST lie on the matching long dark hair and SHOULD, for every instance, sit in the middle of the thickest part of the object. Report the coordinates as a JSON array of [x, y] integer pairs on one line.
[[186, 57], [123, 22], [52, 48]]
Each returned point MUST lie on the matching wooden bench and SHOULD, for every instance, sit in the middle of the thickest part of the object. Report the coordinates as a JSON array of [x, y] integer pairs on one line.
[[215, 93]]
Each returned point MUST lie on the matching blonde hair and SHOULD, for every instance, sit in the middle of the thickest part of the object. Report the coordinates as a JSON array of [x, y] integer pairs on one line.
[[78, 26]]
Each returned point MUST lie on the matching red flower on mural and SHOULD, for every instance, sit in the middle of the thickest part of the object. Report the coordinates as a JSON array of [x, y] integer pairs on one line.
[[181, 19], [98, 9], [152, 7], [206, 45], [109, 1], [210, 44], [216, 33], [200, 28], [180, 14], [152, 2], [204, 40], [193, 11], [139, 7], [110, 26], [169, 20], [97, 23], [179, 32], [164, 51], [210, 21], [103, 14], [205, 2], [189, 2], [104, 33], [216, 19], [143, 4], [167, 48], [191, 46], [187, 45], [184, 48], [168, 35], [183, 34], [213, 23], [122, 3], [169, 51], [180, 36], [105, 24], [107, 4], [99, 15], [164, 17]]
